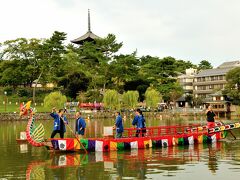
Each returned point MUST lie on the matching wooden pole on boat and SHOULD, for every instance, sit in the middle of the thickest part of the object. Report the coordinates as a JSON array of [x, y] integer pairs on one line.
[[77, 138], [229, 131]]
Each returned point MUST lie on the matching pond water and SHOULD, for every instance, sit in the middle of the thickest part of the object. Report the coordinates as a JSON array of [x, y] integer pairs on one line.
[[22, 161]]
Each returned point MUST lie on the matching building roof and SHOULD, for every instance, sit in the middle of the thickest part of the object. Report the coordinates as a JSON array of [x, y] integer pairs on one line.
[[229, 64], [181, 99], [185, 76], [218, 93], [213, 72], [220, 70], [88, 36]]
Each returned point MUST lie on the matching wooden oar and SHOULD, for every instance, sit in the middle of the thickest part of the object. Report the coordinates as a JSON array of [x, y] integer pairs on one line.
[[77, 138]]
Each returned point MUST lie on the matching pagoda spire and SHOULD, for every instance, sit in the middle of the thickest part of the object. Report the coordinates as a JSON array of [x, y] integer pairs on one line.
[[89, 22], [88, 36]]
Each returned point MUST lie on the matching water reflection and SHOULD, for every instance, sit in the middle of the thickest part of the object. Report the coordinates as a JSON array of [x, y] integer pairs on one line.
[[129, 164], [212, 160], [23, 148], [184, 162]]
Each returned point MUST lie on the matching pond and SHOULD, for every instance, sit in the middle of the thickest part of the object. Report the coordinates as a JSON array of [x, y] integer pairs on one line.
[[203, 161]]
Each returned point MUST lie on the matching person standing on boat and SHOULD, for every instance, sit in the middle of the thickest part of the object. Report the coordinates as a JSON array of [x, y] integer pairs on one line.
[[118, 125], [138, 122], [143, 122], [80, 125], [59, 122], [210, 117]]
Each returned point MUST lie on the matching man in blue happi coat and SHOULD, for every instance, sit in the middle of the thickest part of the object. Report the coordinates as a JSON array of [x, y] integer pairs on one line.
[[138, 121], [80, 125], [118, 125], [59, 122]]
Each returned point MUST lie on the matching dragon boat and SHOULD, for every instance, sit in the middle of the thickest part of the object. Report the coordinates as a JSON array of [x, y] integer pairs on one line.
[[155, 137]]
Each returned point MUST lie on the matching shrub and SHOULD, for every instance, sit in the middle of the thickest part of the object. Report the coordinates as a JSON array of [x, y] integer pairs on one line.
[[55, 99], [9, 90], [23, 92], [111, 99]]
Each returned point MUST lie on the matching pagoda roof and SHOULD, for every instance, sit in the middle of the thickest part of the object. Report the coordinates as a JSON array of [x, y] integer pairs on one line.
[[88, 36]]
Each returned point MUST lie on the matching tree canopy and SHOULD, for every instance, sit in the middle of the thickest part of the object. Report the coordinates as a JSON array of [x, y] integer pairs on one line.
[[88, 70], [232, 88], [204, 64]]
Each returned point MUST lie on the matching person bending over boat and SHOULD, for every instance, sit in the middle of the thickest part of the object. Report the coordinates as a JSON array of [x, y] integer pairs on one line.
[[59, 122], [118, 125], [80, 125], [210, 117], [138, 122]]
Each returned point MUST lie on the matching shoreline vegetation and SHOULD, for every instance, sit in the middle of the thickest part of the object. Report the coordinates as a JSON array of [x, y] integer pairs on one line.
[[51, 72], [33, 68], [110, 115]]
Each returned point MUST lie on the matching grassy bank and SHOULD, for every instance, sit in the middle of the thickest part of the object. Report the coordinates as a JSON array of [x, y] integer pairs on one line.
[[14, 107], [11, 98]]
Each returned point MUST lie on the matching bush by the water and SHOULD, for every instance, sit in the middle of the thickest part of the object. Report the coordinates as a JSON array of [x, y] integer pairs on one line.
[[55, 99]]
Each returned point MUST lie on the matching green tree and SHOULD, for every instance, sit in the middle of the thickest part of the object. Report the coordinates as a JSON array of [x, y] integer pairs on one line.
[[170, 90], [81, 97], [55, 99], [52, 53], [232, 88], [182, 65], [138, 84], [152, 97], [130, 99], [197, 101], [24, 56], [124, 68], [204, 64], [176, 92], [111, 99], [73, 83], [158, 71], [94, 61]]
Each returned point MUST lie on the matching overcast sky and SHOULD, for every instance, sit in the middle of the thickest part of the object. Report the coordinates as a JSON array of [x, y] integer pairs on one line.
[[191, 30]]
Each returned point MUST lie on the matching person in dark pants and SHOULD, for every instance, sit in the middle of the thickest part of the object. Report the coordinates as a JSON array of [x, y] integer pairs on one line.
[[80, 125], [210, 117], [143, 122], [59, 122], [118, 125], [138, 122]]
